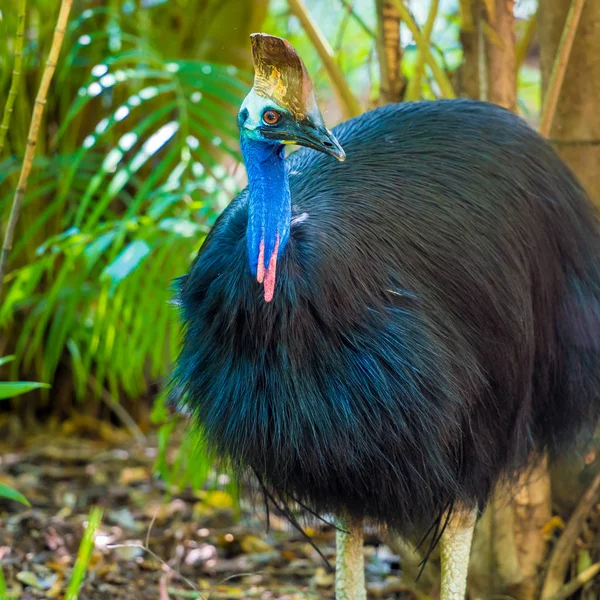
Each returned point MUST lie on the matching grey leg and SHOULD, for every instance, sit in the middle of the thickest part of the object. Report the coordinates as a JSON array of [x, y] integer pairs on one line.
[[350, 564], [455, 551]]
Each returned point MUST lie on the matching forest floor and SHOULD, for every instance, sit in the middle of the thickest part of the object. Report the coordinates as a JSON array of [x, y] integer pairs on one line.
[[153, 545]]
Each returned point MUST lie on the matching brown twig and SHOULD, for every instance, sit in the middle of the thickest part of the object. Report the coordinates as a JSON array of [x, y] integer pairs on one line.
[[413, 91], [559, 560], [439, 74], [164, 563], [16, 74], [570, 588], [560, 66], [163, 592], [119, 410], [348, 102], [34, 127]]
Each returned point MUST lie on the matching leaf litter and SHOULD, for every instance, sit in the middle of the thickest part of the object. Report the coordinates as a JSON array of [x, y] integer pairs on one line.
[[154, 543]]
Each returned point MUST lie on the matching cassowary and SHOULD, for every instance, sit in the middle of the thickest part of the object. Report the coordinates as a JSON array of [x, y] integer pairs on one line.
[[386, 338]]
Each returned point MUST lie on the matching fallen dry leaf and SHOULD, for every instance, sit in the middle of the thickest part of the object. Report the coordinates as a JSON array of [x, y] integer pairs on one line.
[[131, 475]]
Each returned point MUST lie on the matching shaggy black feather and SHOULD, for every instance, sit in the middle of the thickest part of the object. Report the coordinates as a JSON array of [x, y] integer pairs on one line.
[[435, 323]]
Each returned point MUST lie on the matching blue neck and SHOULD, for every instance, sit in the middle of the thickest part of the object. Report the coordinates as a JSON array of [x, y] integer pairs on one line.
[[269, 202]]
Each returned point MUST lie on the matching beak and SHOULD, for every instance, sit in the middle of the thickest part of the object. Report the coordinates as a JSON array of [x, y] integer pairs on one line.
[[307, 134]]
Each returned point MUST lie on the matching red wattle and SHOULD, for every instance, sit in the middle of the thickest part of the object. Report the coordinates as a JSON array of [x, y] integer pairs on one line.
[[260, 269], [270, 274]]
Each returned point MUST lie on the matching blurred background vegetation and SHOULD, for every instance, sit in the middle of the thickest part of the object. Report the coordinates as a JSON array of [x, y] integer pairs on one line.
[[138, 154]]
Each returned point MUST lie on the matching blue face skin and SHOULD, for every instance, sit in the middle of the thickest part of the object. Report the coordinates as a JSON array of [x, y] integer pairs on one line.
[[270, 205], [264, 129]]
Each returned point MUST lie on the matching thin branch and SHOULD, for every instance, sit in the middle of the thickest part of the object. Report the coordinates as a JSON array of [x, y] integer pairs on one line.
[[577, 582], [523, 45], [146, 548], [559, 560], [348, 102], [34, 127], [413, 91], [339, 40], [153, 554], [348, 6], [119, 410], [16, 74], [439, 74], [560, 66]]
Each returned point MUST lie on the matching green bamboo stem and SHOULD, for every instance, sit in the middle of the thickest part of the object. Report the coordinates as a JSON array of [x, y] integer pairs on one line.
[[413, 91], [348, 102], [559, 67], [423, 45], [16, 74], [32, 136]]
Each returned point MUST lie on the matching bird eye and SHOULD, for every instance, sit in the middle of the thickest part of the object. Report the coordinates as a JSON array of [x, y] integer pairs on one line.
[[270, 117]]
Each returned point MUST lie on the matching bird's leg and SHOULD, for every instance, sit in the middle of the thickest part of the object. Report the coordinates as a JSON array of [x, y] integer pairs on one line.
[[455, 551], [350, 564]]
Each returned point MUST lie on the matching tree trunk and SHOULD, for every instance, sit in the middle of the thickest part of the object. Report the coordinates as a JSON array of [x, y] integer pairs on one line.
[[509, 545], [576, 129], [389, 52], [500, 54], [468, 82]]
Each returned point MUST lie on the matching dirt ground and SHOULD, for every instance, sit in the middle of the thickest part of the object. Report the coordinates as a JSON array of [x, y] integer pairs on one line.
[[152, 544]]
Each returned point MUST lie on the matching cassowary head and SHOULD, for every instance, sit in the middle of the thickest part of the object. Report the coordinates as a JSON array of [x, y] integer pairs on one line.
[[281, 107]]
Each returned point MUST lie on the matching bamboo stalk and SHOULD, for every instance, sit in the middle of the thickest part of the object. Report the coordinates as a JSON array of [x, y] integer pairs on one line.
[[577, 582], [16, 74], [482, 57], [389, 52], [466, 15], [560, 66], [500, 56], [523, 45], [348, 102], [413, 91], [34, 127], [423, 45]]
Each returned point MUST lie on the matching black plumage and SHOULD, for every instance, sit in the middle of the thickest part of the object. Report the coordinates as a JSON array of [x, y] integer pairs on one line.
[[434, 325]]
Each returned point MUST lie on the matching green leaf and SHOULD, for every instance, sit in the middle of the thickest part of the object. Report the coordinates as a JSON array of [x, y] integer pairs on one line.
[[10, 389], [6, 359], [2, 584], [11, 494], [182, 227], [84, 554], [127, 261]]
